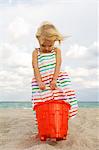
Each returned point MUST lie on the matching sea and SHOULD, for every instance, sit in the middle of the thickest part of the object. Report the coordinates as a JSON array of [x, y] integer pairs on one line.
[[28, 105]]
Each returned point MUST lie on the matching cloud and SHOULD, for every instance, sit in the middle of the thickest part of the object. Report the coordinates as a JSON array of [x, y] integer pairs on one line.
[[18, 28], [82, 72], [83, 78], [15, 73], [12, 57], [15, 69], [76, 51], [80, 52], [81, 63], [84, 56]]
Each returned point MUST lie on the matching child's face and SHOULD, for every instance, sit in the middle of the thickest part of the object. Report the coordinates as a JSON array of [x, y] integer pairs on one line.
[[47, 45]]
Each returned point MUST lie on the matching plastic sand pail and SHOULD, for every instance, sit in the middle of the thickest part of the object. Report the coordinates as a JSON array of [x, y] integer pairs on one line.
[[52, 118]]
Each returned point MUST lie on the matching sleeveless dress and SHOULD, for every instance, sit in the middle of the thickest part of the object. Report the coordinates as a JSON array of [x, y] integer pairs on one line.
[[46, 65]]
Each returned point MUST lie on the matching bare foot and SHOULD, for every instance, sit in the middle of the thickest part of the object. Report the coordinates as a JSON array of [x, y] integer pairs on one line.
[[37, 135], [53, 139]]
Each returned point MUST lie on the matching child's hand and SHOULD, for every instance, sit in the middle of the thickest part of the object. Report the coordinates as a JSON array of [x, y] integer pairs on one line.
[[42, 85], [53, 85]]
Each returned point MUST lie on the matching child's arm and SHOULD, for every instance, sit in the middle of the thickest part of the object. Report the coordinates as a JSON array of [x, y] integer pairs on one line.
[[35, 66], [58, 64]]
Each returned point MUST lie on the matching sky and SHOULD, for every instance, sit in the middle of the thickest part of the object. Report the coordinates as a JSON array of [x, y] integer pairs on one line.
[[19, 20]]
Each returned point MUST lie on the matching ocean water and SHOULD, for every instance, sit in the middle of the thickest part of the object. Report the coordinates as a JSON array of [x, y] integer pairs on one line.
[[28, 105]]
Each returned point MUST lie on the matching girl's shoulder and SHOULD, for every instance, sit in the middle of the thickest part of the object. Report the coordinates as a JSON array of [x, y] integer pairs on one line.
[[56, 49], [35, 50]]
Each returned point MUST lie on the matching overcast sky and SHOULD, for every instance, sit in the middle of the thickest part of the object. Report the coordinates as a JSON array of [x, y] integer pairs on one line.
[[19, 20]]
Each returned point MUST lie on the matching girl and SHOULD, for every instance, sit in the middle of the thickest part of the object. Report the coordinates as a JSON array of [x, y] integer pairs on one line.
[[49, 81]]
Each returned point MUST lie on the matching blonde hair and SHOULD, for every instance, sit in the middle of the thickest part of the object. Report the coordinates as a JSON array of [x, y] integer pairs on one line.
[[47, 31]]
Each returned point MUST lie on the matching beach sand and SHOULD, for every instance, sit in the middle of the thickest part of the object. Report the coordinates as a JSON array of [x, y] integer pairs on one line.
[[18, 131]]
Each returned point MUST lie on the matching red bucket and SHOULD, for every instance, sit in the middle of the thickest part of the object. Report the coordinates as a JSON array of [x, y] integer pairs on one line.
[[52, 117]]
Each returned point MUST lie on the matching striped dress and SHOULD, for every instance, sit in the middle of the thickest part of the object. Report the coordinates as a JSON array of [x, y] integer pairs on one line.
[[46, 65]]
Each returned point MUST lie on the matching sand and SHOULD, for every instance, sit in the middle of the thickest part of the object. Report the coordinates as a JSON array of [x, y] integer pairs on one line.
[[18, 131]]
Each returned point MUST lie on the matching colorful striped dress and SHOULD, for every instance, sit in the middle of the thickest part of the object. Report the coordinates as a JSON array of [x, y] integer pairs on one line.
[[46, 65]]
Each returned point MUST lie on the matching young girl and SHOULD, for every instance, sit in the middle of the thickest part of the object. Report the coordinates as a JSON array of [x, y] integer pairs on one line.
[[49, 81]]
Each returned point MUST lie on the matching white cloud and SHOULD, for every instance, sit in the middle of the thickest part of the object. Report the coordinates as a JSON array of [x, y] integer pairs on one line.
[[76, 51], [82, 83], [18, 28], [83, 78], [81, 72], [81, 56], [6, 51], [80, 52], [15, 70], [13, 56]]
